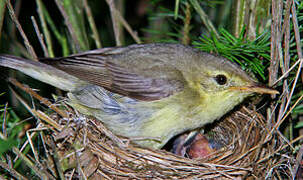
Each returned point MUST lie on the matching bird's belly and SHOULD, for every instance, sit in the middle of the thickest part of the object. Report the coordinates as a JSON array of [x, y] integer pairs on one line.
[[160, 120], [122, 115]]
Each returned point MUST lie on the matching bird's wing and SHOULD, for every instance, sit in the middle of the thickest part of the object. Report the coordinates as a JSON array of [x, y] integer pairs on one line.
[[124, 71]]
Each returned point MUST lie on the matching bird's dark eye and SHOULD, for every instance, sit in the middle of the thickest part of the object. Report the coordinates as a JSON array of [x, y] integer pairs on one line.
[[221, 79]]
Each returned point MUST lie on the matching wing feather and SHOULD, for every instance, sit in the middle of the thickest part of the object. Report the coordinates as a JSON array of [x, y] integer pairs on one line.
[[112, 70]]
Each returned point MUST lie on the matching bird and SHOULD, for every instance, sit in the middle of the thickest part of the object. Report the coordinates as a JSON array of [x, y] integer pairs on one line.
[[146, 92]]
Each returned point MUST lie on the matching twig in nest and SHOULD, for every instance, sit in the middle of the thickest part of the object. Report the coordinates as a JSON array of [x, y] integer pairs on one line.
[[37, 96]]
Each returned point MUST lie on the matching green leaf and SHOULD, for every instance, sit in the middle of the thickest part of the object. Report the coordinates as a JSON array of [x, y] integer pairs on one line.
[[6, 145], [253, 55]]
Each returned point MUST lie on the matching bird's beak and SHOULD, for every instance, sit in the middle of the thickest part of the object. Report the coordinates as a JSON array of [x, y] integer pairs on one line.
[[255, 88]]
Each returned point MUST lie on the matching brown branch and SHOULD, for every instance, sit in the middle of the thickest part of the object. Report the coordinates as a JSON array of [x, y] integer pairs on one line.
[[297, 33], [40, 36], [186, 29], [128, 28], [276, 51], [286, 60], [28, 46], [299, 50], [114, 17]]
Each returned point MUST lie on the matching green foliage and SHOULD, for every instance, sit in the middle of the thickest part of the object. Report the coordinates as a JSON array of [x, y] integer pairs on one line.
[[12, 128], [8, 144], [253, 56], [76, 19]]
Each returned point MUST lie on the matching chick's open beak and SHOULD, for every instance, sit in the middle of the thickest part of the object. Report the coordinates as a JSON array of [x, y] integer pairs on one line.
[[257, 88]]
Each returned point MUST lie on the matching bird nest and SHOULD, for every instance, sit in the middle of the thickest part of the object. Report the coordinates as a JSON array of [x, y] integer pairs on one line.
[[83, 147]]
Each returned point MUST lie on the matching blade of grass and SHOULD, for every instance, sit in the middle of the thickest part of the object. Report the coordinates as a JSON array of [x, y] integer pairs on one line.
[[92, 24], [62, 39], [2, 12], [45, 29], [207, 22]]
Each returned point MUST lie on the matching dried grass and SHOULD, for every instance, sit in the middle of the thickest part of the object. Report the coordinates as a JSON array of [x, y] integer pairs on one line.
[[82, 147]]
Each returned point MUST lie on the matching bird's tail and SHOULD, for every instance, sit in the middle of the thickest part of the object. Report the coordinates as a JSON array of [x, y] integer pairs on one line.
[[43, 72]]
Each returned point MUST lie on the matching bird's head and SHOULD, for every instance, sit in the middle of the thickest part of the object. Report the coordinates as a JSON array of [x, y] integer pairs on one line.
[[222, 82]]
